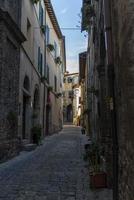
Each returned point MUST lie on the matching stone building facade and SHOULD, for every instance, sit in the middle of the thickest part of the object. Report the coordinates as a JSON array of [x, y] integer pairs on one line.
[[111, 47], [71, 94], [122, 15], [28, 71], [55, 68], [11, 39]]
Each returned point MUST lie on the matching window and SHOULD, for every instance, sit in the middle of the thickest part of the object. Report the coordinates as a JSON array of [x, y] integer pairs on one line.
[[64, 95], [48, 74], [64, 80], [55, 48], [75, 80], [70, 94], [28, 31], [38, 58], [28, 26], [40, 61], [69, 80], [40, 14], [55, 83], [47, 34]]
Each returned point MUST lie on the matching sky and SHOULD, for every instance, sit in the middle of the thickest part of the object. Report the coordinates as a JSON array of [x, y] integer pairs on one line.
[[67, 13]]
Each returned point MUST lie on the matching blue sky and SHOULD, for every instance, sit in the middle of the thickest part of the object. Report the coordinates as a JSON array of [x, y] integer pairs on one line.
[[67, 14]]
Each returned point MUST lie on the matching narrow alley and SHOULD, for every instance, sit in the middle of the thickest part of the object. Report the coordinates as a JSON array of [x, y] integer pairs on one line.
[[54, 171]]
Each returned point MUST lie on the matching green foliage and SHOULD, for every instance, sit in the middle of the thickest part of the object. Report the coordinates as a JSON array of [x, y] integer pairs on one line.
[[50, 88], [88, 12], [93, 155], [58, 60], [36, 134], [50, 47], [58, 95], [35, 1], [43, 28], [43, 79]]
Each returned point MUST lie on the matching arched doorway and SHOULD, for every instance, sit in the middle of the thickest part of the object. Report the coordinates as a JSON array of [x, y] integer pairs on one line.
[[26, 108], [48, 113], [36, 107], [69, 113]]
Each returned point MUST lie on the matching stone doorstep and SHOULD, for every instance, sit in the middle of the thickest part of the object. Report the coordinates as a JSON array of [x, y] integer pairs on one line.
[[29, 147]]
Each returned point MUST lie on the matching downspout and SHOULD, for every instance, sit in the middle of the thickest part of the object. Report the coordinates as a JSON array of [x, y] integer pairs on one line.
[[110, 73], [44, 97]]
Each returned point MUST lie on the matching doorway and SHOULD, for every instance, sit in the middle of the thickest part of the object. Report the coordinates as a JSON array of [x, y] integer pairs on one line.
[[69, 113], [25, 116]]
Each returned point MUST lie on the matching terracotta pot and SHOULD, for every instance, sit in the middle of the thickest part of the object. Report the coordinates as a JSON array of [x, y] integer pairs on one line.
[[98, 180]]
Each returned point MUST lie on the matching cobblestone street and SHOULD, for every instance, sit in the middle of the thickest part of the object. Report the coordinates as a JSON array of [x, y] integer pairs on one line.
[[54, 171]]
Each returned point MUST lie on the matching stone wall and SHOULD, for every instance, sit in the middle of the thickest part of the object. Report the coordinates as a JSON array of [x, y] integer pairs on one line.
[[9, 81], [123, 40], [13, 7]]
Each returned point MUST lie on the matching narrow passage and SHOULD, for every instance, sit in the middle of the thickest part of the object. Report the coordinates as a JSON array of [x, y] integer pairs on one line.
[[54, 171]]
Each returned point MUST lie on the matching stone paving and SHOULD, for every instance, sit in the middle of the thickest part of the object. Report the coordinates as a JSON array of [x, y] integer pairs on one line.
[[54, 171]]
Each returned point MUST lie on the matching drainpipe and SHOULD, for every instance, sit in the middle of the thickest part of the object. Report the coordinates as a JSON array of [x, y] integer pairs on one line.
[[110, 73], [44, 97]]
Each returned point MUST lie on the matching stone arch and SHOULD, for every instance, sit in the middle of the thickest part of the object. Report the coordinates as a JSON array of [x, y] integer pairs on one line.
[[36, 106], [26, 108], [26, 83], [69, 113]]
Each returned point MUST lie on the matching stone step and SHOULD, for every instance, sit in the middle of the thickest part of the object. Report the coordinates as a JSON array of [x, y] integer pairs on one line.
[[29, 147]]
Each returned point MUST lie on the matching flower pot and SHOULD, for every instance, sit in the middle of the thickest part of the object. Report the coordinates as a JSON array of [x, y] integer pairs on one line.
[[98, 180]]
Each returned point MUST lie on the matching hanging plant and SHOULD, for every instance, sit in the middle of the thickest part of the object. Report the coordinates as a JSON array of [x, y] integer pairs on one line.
[[50, 88], [50, 47], [43, 79], [43, 28], [88, 12], [58, 60], [36, 1], [58, 94]]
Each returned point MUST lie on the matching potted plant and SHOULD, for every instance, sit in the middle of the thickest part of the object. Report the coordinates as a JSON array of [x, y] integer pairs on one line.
[[58, 60], [43, 28], [36, 134], [50, 47], [98, 178], [36, 1]]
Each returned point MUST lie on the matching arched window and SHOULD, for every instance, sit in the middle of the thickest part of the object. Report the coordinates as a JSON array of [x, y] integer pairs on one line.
[[26, 83]]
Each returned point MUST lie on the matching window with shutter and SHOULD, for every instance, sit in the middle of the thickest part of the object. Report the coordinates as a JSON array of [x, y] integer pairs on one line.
[[55, 83], [47, 34], [48, 74], [55, 48], [41, 63], [39, 58], [40, 14]]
